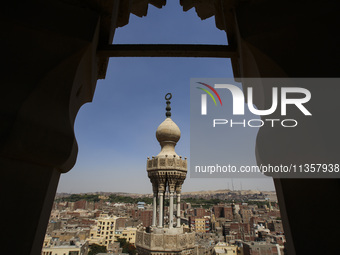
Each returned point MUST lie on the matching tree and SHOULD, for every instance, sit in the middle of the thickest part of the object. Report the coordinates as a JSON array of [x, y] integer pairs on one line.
[[95, 249], [122, 242], [127, 247]]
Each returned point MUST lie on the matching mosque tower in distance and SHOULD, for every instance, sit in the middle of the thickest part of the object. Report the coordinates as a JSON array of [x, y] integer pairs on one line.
[[167, 171]]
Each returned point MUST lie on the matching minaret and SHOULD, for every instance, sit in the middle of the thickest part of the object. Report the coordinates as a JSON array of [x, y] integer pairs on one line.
[[167, 170]]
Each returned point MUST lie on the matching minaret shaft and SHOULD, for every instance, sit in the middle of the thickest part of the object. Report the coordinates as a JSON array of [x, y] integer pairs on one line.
[[160, 222], [178, 209], [154, 209], [167, 171]]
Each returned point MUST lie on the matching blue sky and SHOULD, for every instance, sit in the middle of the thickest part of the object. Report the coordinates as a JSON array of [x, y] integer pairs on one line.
[[116, 132]]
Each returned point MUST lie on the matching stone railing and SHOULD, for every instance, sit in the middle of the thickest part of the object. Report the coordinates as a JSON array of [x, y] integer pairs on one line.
[[158, 163], [165, 242]]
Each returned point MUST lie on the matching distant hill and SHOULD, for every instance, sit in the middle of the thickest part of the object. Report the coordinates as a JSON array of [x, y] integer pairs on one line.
[[202, 193]]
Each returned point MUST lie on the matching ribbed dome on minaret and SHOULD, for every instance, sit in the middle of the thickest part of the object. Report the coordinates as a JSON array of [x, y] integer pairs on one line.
[[168, 131], [168, 134]]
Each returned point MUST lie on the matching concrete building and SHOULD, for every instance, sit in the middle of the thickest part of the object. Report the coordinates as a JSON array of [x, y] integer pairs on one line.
[[227, 249], [185, 206], [218, 211], [276, 226], [77, 248], [65, 235], [228, 213], [104, 232], [128, 233], [141, 205], [199, 225], [114, 248], [167, 171], [262, 248], [145, 216], [107, 231], [200, 212], [121, 222], [246, 214]]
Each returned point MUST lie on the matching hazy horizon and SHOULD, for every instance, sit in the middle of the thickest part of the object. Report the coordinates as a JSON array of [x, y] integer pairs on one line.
[[151, 192]]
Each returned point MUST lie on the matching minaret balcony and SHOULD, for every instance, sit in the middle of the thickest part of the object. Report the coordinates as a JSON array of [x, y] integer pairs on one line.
[[167, 163]]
